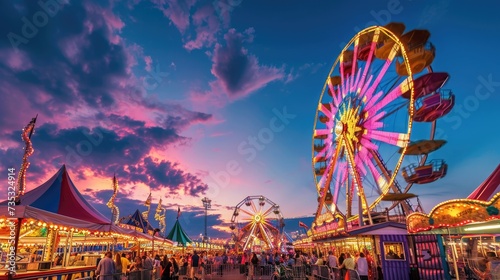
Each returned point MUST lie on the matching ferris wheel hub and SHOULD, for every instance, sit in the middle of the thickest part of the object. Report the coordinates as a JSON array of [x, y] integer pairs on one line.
[[258, 218], [339, 129]]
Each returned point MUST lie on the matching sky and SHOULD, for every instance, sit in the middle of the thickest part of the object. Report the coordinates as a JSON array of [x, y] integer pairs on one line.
[[192, 99]]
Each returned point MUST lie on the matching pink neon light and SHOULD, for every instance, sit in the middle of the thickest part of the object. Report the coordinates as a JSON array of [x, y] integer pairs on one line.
[[380, 75], [391, 96], [393, 138]]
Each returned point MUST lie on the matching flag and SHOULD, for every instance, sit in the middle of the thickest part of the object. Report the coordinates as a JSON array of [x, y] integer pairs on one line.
[[301, 224], [178, 212], [148, 200]]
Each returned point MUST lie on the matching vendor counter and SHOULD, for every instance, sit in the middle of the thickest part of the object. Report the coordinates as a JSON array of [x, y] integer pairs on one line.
[[59, 273]]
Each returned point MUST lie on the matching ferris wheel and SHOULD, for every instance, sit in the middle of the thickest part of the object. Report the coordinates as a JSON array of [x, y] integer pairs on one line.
[[257, 222], [376, 117]]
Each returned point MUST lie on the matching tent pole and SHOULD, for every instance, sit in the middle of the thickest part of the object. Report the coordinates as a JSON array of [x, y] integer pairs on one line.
[[65, 253], [70, 247], [16, 242]]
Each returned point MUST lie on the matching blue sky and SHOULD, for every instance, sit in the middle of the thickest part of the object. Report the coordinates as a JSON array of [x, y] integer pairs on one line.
[[178, 89]]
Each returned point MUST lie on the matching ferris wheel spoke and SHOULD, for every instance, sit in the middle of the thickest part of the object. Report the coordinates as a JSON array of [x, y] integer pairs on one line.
[[250, 236], [391, 96], [329, 173], [394, 138], [324, 177], [268, 211], [364, 88], [381, 74], [367, 66], [265, 234], [356, 178], [327, 109], [341, 178], [381, 182], [374, 98], [359, 163], [322, 132], [253, 206], [373, 122], [246, 212]]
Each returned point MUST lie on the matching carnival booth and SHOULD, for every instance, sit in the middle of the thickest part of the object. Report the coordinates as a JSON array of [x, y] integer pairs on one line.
[[384, 244], [467, 232], [55, 221], [141, 227]]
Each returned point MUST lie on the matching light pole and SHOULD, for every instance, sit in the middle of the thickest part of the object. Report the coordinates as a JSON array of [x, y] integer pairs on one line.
[[206, 203]]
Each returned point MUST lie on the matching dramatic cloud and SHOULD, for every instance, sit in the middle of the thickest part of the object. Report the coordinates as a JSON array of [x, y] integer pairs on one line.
[[238, 73], [76, 72], [178, 11], [207, 26]]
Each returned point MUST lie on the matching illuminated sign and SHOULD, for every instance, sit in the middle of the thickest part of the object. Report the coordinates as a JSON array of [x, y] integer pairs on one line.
[[453, 213], [328, 225]]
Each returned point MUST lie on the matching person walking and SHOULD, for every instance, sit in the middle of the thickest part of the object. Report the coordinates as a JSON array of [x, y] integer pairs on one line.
[[106, 267], [332, 260], [195, 265], [362, 267], [147, 265], [166, 267], [349, 265]]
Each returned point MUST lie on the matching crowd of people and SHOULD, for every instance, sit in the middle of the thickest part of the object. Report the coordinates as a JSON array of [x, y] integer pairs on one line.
[[347, 262], [197, 264]]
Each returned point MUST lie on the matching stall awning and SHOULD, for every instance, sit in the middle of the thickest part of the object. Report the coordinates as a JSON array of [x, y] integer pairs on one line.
[[177, 234]]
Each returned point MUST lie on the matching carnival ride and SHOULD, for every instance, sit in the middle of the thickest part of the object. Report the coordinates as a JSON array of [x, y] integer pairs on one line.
[[257, 222], [377, 112]]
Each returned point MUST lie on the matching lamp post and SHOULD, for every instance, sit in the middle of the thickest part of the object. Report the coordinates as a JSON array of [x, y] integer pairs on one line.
[[206, 203]]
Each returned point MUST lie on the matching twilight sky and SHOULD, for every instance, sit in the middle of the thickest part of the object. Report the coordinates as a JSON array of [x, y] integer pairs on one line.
[[217, 98]]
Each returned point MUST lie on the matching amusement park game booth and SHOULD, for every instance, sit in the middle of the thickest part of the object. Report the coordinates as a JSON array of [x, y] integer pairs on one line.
[[385, 244], [467, 232]]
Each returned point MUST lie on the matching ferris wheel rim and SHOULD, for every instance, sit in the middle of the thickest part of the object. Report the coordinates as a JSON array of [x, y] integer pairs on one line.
[[409, 80], [261, 228]]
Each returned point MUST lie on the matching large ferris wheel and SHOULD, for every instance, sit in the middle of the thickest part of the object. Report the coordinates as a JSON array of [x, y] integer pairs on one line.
[[257, 222], [376, 117]]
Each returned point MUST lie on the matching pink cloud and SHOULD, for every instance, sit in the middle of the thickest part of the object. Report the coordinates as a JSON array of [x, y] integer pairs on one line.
[[207, 26], [177, 11], [83, 81], [17, 60], [238, 73], [148, 60]]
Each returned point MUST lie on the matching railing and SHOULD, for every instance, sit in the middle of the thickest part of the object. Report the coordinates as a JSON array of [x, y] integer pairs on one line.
[[66, 273], [241, 271], [323, 272], [143, 274]]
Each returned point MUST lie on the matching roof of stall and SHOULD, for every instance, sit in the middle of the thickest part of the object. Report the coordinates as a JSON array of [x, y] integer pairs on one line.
[[177, 234], [137, 220], [59, 195]]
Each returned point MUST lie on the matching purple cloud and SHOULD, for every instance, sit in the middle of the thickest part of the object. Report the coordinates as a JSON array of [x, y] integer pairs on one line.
[[207, 27], [238, 73], [177, 11], [76, 74]]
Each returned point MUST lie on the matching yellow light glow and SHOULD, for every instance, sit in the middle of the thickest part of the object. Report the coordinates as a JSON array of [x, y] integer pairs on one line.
[[482, 228]]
